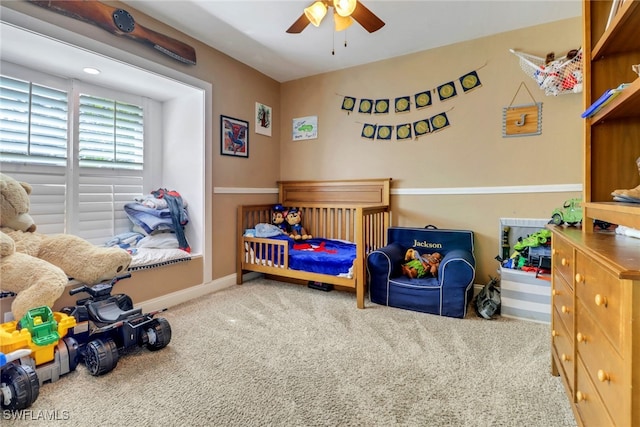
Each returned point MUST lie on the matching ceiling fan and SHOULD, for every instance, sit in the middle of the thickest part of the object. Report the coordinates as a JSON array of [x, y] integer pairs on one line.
[[344, 13]]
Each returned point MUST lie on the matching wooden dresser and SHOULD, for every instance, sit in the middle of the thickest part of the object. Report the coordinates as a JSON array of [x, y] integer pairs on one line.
[[595, 324], [595, 321]]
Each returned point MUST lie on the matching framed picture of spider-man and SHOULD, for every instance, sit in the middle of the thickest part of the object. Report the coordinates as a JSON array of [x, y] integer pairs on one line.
[[234, 138]]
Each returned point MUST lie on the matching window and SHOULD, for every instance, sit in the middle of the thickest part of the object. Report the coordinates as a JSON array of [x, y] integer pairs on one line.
[[33, 123], [110, 133], [82, 174]]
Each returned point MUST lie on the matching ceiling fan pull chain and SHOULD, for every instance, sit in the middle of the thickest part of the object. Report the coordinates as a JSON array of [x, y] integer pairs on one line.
[[333, 43]]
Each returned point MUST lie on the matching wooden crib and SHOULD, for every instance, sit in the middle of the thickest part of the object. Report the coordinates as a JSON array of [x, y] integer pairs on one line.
[[353, 210]]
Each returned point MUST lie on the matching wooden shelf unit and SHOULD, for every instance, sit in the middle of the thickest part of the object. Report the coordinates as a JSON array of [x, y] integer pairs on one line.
[[612, 136], [595, 326]]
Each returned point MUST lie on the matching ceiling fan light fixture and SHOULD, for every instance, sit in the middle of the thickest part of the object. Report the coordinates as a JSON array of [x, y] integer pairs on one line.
[[316, 12], [344, 7], [342, 22]]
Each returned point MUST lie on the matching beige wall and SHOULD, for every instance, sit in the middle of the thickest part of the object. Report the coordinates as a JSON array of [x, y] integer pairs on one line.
[[471, 153]]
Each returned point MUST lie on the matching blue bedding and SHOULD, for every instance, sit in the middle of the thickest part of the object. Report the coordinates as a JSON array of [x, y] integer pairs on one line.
[[317, 255]]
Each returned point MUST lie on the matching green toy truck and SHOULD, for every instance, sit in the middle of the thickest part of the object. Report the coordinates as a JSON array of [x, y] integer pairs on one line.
[[570, 212]]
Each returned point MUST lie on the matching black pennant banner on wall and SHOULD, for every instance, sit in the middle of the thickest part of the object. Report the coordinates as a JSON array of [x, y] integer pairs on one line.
[[402, 104], [406, 131]]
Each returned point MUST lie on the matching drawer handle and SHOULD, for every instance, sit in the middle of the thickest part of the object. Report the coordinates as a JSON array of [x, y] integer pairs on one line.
[[565, 309], [554, 333], [603, 376], [565, 358], [579, 278], [555, 292], [580, 337], [554, 251], [564, 262], [580, 396], [601, 301]]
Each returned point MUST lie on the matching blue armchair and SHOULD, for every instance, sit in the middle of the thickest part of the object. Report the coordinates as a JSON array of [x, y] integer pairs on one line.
[[448, 294]]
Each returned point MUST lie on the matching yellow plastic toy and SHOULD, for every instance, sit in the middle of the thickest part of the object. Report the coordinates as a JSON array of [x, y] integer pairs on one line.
[[40, 330]]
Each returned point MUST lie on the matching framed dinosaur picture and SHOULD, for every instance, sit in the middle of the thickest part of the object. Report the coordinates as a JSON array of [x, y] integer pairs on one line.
[[234, 137]]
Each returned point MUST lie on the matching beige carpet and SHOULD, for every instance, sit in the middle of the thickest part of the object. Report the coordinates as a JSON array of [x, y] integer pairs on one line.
[[273, 354]]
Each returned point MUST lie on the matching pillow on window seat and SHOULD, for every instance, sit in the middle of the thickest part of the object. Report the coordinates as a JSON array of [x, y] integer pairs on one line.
[[159, 240], [143, 258]]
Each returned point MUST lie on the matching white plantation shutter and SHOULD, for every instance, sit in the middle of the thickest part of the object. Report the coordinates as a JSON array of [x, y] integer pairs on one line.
[[110, 133], [48, 198], [79, 187], [101, 200], [110, 155], [33, 123]]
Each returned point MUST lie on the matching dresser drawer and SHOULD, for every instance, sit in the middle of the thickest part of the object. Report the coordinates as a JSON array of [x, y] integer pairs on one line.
[[562, 343], [600, 292], [562, 300], [591, 409], [562, 259], [603, 364]]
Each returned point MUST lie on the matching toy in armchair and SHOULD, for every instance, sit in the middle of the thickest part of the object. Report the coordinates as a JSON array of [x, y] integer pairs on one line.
[[417, 266], [279, 218], [297, 231]]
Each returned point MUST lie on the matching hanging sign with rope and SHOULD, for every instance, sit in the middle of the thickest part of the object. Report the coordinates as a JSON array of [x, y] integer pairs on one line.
[[522, 120]]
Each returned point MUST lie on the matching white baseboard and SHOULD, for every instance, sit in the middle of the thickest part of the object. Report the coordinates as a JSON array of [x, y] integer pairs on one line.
[[476, 289], [175, 298], [168, 300]]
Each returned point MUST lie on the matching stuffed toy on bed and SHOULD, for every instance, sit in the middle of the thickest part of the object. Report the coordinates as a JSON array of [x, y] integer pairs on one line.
[[279, 218], [297, 231], [418, 266]]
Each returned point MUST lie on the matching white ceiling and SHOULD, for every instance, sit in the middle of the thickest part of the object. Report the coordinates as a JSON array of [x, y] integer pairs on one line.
[[32, 50], [254, 32]]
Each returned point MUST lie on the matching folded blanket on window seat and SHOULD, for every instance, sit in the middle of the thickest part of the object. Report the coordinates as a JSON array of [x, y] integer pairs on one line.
[[153, 219]]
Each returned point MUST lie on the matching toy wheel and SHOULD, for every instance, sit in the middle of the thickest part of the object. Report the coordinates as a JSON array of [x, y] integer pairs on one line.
[[159, 334], [101, 356], [557, 219], [72, 351], [19, 387]]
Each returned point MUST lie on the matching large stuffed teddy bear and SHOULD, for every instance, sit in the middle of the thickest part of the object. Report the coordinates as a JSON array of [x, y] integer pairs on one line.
[[36, 282], [36, 266]]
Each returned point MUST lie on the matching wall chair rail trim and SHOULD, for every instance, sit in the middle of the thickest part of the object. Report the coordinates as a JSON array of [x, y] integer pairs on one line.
[[514, 189], [241, 190], [549, 188]]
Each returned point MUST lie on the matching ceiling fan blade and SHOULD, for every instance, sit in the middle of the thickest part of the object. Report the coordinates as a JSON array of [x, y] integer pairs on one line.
[[366, 18], [300, 24]]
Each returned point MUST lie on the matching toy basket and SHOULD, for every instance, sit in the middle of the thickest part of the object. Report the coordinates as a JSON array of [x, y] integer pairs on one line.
[[558, 77]]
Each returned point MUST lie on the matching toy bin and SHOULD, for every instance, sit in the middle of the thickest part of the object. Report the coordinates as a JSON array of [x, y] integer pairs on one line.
[[525, 295]]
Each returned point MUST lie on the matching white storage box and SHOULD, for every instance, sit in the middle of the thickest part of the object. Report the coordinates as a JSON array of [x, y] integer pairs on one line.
[[523, 296]]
